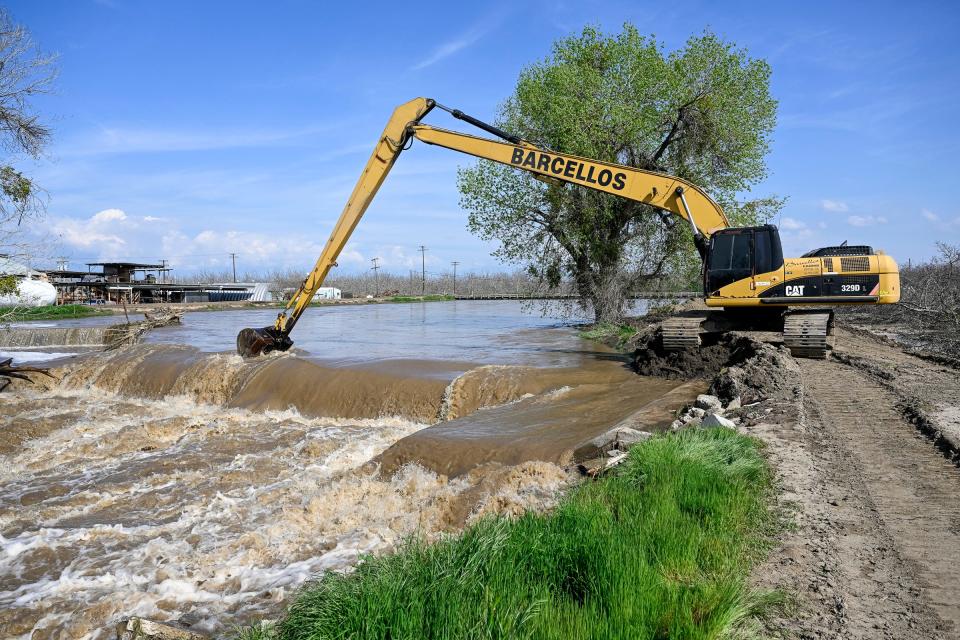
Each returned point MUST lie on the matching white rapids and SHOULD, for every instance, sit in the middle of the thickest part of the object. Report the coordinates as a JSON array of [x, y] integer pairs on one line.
[[170, 508]]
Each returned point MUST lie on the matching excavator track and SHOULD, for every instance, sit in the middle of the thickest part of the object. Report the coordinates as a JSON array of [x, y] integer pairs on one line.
[[682, 332], [807, 333]]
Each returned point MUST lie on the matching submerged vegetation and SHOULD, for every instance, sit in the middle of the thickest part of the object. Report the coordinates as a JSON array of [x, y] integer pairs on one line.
[[659, 549], [49, 312]]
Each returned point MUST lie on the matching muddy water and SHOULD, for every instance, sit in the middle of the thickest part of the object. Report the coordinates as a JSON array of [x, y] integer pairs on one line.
[[553, 426], [167, 481]]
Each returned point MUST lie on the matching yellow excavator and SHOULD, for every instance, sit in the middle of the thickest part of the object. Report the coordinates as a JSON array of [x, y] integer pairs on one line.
[[744, 271]]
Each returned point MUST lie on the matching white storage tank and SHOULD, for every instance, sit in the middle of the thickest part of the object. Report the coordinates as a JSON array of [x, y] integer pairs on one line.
[[32, 288]]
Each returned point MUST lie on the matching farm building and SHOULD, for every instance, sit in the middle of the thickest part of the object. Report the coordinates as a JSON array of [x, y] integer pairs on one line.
[[136, 283], [327, 293]]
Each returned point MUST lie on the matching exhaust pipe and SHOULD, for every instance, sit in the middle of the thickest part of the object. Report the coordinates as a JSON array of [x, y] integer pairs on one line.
[[254, 342]]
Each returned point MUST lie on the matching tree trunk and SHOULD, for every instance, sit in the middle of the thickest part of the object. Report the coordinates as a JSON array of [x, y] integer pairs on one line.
[[604, 290]]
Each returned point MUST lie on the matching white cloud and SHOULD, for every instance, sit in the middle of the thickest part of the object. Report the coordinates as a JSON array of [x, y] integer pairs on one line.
[[834, 206], [446, 50], [461, 42], [112, 234], [98, 231], [930, 215], [107, 215], [792, 224], [351, 255], [865, 221], [822, 225]]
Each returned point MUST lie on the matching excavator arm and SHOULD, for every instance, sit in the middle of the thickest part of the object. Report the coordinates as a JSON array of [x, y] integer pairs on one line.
[[665, 192]]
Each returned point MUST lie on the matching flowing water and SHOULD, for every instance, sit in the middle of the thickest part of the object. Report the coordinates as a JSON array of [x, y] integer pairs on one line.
[[175, 481]]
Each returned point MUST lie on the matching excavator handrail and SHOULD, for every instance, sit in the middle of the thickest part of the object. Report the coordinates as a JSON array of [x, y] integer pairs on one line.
[[663, 191]]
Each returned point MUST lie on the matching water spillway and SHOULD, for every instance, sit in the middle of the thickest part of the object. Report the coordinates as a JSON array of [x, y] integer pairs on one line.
[[552, 427], [25, 338]]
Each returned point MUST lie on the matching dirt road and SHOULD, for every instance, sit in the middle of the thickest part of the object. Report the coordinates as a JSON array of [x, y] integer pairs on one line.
[[867, 463]]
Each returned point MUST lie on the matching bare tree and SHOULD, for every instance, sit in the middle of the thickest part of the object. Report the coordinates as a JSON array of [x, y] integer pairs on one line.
[[25, 72], [928, 315]]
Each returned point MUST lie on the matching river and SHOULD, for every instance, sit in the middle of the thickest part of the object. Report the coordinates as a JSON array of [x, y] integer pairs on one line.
[[176, 481]]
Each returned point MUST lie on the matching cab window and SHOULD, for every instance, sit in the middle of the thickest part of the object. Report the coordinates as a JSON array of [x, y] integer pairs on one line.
[[762, 251], [731, 251]]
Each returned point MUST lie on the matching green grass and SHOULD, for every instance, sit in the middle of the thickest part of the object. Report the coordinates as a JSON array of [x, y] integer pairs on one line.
[[50, 312], [606, 330], [660, 549]]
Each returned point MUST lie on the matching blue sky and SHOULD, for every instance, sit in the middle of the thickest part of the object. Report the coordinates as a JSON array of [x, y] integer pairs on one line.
[[189, 130]]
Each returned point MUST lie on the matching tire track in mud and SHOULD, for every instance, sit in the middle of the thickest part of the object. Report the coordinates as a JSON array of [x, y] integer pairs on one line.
[[898, 532]]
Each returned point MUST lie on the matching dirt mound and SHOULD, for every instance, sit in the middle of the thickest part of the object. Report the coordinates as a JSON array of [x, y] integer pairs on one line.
[[767, 373], [739, 365]]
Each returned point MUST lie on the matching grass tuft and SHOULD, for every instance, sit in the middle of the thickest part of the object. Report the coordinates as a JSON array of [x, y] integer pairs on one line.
[[659, 549], [606, 331], [49, 312]]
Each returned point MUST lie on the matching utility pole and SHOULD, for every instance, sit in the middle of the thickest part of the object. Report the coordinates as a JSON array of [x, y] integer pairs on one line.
[[163, 271], [454, 263], [376, 276], [423, 270], [233, 257]]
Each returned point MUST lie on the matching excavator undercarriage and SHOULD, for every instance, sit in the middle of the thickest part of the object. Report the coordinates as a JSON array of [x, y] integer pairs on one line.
[[806, 332]]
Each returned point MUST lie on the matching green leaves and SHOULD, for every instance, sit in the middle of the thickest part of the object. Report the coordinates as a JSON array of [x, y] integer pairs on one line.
[[8, 285], [703, 112], [17, 189]]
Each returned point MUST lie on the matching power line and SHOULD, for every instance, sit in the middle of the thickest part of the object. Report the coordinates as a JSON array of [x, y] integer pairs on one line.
[[423, 270], [376, 276]]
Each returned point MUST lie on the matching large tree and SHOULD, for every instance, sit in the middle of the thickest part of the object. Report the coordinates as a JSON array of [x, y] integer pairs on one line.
[[703, 112]]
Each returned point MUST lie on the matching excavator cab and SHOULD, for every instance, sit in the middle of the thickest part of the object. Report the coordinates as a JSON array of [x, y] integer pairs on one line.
[[740, 255]]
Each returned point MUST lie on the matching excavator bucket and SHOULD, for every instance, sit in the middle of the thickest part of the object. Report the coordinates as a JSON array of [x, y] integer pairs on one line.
[[255, 342]]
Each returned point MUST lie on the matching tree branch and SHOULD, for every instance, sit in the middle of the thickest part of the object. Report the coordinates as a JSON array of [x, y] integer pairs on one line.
[[674, 129]]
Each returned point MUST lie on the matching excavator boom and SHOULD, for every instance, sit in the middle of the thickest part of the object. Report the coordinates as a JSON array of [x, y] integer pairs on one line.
[[665, 192]]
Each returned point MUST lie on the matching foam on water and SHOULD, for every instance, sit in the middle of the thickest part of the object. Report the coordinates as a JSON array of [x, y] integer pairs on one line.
[[25, 357], [113, 506]]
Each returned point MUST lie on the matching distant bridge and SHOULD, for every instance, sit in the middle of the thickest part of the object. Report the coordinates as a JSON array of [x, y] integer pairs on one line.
[[643, 295]]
